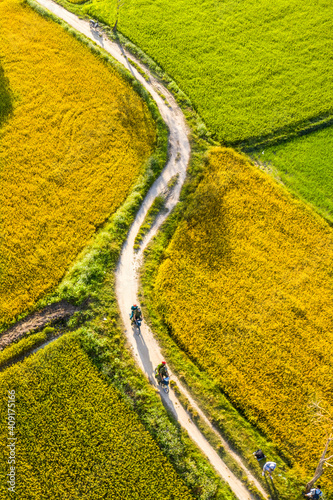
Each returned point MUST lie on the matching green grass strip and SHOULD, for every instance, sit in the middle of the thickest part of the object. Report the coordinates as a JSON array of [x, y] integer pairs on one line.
[[13, 351], [155, 209]]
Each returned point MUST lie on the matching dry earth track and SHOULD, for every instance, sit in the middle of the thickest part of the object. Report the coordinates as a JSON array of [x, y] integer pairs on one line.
[[36, 321], [145, 347]]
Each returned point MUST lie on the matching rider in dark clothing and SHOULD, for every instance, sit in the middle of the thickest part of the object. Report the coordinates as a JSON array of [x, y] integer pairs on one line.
[[162, 371], [259, 454], [135, 313]]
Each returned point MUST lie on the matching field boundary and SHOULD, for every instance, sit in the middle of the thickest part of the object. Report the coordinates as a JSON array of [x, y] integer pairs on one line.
[[51, 314], [285, 134]]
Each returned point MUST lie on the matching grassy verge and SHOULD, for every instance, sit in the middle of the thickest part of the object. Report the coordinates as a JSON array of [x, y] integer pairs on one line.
[[285, 134], [11, 353], [139, 69], [157, 206]]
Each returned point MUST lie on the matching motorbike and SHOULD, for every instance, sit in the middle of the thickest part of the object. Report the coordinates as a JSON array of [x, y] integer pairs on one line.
[[93, 24], [165, 384], [137, 323]]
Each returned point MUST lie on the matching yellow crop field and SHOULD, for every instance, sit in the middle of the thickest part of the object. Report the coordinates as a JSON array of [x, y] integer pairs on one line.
[[75, 436], [246, 288], [73, 138]]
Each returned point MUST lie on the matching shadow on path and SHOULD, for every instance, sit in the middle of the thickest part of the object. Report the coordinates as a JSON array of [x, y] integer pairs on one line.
[[150, 371], [144, 354], [129, 66], [273, 492], [97, 36]]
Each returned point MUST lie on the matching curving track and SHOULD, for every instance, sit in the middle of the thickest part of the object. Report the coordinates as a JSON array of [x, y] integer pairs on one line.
[[145, 348]]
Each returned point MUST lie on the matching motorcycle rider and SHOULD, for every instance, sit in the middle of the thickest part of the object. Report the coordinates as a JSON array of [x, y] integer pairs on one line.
[[136, 314], [161, 371]]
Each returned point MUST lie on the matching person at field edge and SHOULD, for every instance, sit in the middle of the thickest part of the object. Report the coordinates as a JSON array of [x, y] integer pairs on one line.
[[315, 493], [135, 313], [259, 454], [268, 467], [161, 371]]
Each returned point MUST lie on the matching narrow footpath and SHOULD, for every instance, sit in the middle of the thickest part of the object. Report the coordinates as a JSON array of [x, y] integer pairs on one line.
[[145, 347]]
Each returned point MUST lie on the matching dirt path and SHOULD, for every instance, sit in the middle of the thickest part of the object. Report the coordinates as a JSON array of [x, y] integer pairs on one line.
[[36, 321], [145, 348]]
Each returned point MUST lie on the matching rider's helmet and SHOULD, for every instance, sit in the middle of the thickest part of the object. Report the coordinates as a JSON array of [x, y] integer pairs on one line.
[[163, 363], [139, 310]]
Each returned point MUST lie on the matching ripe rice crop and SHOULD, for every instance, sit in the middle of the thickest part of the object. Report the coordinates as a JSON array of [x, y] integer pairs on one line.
[[74, 138], [305, 166], [246, 290], [76, 438], [249, 68]]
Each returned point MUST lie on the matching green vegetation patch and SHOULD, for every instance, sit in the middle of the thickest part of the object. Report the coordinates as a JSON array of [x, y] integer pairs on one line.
[[77, 2], [13, 351], [154, 210], [305, 166], [78, 439], [250, 68]]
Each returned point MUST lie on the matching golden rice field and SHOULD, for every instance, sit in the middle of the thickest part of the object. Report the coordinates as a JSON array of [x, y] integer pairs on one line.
[[75, 436], [247, 290], [73, 139]]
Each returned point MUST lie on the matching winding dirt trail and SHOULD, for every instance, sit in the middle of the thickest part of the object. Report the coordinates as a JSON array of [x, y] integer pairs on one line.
[[145, 348]]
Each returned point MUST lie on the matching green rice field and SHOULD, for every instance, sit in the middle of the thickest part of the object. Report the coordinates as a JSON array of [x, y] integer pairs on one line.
[[250, 68], [305, 166]]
